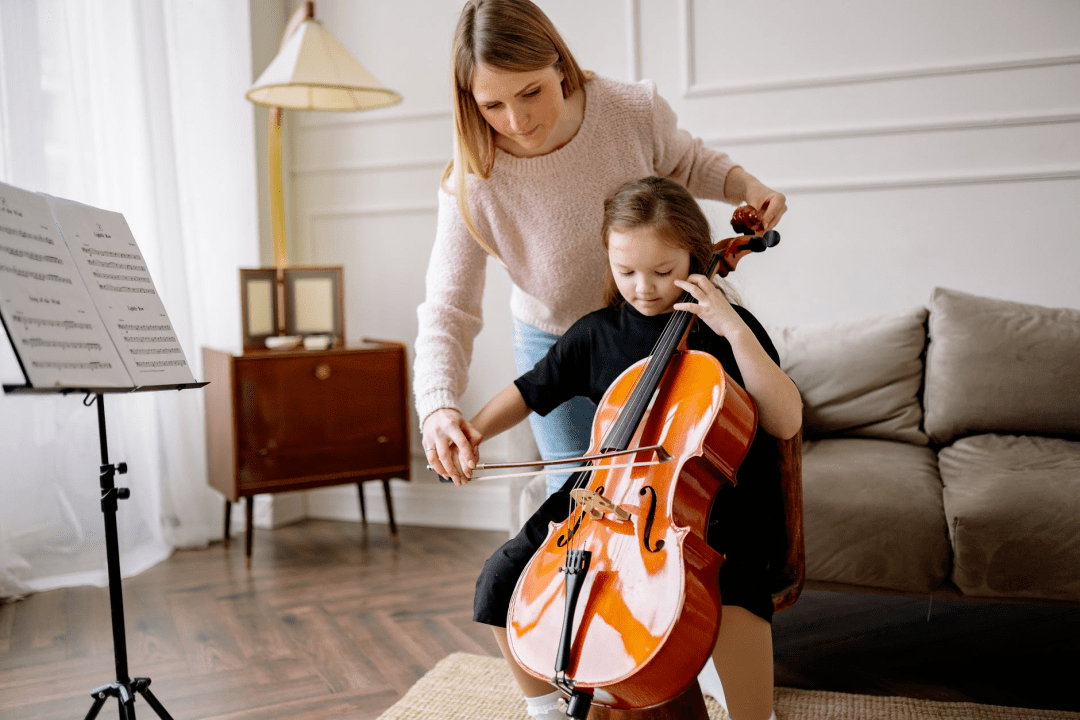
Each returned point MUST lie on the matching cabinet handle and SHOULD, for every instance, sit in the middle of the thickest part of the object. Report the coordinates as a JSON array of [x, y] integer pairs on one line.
[[322, 371], [382, 439]]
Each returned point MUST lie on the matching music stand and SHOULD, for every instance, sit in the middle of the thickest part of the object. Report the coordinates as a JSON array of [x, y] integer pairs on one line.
[[124, 687], [82, 314]]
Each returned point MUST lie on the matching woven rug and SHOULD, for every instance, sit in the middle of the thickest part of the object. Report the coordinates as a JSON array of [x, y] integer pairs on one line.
[[482, 688]]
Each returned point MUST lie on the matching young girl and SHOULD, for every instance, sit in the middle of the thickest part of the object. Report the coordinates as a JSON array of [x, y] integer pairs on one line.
[[539, 144], [658, 242]]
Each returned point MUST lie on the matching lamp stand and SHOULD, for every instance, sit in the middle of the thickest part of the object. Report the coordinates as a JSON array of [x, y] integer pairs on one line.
[[277, 216], [277, 192]]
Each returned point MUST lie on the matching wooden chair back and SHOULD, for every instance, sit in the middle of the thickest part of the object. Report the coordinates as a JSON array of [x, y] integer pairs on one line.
[[789, 556]]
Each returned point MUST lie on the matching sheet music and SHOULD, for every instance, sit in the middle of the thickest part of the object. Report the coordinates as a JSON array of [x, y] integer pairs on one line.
[[55, 328], [109, 260]]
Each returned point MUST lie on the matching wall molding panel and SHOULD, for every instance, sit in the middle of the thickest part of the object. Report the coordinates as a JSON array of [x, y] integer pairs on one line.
[[917, 127], [633, 40], [692, 89], [876, 76], [842, 185], [348, 119], [361, 211], [311, 249], [373, 167]]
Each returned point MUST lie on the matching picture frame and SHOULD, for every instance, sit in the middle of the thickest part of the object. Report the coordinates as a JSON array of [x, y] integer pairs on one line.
[[258, 306], [314, 303]]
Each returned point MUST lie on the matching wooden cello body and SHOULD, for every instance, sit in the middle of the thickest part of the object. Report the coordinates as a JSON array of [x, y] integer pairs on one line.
[[650, 606]]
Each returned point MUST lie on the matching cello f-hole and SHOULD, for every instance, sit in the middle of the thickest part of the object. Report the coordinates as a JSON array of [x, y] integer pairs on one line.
[[649, 520], [564, 540]]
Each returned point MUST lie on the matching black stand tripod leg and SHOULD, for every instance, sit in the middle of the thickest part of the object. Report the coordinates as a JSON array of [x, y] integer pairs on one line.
[[99, 700], [118, 691], [124, 688], [142, 686]]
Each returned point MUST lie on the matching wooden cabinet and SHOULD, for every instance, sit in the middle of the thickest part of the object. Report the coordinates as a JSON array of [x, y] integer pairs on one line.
[[293, 420]]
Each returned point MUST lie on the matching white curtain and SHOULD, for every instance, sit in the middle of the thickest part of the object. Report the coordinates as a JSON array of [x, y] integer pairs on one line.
[[135, 106]]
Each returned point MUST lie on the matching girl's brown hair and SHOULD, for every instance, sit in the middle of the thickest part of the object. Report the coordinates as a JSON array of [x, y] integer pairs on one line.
[[509, 35], [667, 207]]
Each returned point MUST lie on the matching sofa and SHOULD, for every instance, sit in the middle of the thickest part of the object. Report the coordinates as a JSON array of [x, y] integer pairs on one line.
[[940, 451]]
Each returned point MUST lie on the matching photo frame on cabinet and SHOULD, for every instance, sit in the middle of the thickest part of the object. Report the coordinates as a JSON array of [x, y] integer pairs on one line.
[[314, 303], [258, 306]]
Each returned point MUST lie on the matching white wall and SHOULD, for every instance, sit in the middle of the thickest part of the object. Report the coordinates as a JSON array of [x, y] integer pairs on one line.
[[919, 143]]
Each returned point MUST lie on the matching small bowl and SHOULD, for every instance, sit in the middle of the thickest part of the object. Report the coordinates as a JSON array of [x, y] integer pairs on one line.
[[317, 342], [283, 342]]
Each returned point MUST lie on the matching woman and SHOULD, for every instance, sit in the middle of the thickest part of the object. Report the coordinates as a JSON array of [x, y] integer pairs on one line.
[[539, 145]]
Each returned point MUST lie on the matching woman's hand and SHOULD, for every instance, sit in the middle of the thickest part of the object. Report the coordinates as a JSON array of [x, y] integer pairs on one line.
[[711, 306], [450, 444], [741, 186], [770, 204]]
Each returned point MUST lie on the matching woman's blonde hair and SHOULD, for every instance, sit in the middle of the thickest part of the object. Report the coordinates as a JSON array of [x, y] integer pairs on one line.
[[510, 35], [667, 207]]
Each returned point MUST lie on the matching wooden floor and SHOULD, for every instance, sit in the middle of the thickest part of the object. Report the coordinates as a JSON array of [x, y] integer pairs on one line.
[[335, 621]]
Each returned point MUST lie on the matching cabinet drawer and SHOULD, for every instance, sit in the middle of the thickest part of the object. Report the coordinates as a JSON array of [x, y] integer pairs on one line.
[[309, 416]]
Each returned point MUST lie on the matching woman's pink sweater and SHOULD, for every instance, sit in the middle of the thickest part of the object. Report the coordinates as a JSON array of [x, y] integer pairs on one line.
[[543, 217]]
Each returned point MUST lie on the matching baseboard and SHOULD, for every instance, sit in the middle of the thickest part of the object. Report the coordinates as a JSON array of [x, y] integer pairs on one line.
[[423, 501]]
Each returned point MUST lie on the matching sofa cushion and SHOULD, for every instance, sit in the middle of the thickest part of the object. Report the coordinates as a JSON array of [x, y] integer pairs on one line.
[[1012, 505], [1000, 366], [859, 379], [872, 515]]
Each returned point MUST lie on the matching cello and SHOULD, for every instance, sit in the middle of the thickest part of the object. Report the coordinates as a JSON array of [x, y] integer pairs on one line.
[[620, 605]]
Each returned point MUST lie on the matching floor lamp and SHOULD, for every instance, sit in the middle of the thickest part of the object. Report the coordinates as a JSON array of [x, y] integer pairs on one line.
[[312, 71]]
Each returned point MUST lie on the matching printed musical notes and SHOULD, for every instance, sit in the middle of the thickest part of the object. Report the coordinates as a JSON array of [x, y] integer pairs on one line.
[[56, 332], [77, 300]]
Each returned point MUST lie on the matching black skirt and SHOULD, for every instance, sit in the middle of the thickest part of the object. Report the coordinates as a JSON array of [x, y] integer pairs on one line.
[[733, 525]]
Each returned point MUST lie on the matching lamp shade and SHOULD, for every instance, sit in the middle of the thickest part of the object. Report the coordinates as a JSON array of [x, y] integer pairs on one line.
[[313, 71]]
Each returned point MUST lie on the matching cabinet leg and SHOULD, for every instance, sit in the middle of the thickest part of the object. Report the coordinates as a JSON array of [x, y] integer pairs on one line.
[[250, 511], [228, 521], [363, 507], [389, 507]]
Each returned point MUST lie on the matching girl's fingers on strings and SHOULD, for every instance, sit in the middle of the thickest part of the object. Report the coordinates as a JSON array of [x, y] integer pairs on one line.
[[688, 287], [696, 285]]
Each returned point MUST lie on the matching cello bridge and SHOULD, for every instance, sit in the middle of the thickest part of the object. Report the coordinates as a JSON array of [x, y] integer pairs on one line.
[[596, 504]]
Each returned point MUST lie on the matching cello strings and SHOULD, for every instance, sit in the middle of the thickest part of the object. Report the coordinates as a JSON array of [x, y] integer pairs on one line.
[[636, 403], [637, 400]]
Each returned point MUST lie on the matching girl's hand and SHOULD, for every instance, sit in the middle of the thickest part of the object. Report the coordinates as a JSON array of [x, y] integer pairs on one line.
[[450, 444], [711, 306], [778, 402]]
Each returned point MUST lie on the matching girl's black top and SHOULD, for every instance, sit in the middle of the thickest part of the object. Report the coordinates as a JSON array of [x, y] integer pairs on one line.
[[600, 346]]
